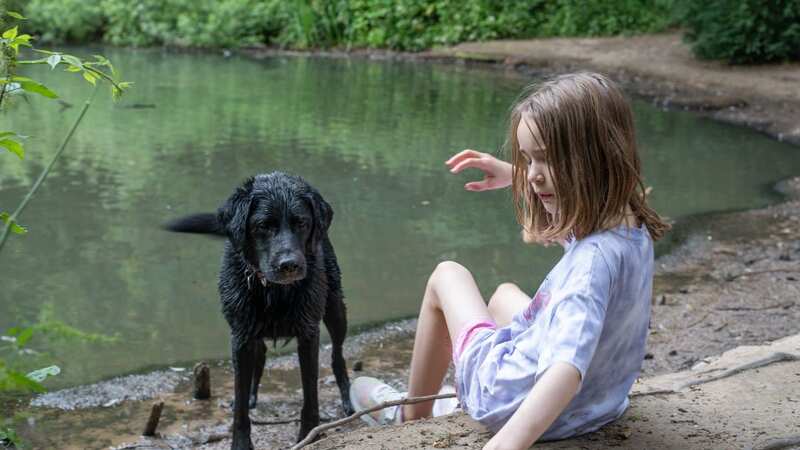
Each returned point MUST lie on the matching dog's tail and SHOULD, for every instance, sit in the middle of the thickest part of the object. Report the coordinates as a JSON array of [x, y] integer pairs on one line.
[[202, 223]]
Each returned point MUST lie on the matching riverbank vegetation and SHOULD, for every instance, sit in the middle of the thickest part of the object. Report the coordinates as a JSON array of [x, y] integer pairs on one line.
[[739, 31]]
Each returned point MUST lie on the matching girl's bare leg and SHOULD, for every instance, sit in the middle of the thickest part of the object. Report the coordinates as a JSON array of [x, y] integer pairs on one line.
[[451, 302], [507, 301]]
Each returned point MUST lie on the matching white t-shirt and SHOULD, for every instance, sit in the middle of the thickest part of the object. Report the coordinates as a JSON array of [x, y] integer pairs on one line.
[[591, 311]]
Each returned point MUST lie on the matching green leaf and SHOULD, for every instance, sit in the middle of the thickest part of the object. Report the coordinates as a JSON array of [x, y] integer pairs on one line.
[[73, 69], [11, 33], [14, 147], [15, 15], [15, 227], [53, 60], [7, 133], [22, 382], [89, 77], [38, 88], [73, 60], [40, 374], [24, 336]]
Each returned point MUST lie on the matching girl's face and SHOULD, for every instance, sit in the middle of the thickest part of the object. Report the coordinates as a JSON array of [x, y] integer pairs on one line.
[[538, 170]]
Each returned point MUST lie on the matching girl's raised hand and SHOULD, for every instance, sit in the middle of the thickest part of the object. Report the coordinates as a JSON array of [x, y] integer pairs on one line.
[[496, 173]]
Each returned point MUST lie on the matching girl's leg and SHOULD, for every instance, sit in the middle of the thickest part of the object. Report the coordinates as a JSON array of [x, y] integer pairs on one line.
[[452, 301], [506, 301]]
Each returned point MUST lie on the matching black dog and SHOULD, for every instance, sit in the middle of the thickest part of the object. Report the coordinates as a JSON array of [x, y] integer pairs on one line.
[[279, 278]]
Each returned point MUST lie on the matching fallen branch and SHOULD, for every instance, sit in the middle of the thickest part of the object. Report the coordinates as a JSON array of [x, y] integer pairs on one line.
[[405, 401], [784, 305], [759, 272], [781, 443], [283, 421]]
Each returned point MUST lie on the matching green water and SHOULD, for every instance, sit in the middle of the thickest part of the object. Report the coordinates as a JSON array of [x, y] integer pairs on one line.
[[371, 136]]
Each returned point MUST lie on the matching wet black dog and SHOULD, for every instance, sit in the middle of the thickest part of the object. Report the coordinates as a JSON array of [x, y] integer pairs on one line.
[[279, 278]]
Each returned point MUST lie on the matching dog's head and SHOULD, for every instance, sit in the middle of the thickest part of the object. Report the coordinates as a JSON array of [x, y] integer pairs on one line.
[[277, 222]]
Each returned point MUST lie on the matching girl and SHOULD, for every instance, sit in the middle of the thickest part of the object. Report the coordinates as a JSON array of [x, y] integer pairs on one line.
[[562, 363]]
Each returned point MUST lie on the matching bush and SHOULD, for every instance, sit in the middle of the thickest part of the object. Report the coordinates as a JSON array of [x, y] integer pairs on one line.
[[183, 23], [744, 31], [604, 18], [395, 24], [64, 20]]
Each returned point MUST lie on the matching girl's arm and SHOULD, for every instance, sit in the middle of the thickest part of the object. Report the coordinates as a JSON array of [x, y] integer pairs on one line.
[[496, 173], [549, 396]]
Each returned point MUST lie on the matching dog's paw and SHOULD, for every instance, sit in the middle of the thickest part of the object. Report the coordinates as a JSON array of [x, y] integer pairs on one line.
[[347, 407], [253, 401]]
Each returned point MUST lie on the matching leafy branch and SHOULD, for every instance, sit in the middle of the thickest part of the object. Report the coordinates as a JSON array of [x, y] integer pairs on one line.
[[92, 70]]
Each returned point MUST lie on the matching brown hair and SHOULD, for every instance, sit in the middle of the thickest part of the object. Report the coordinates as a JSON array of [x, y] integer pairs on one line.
[[586, 129]]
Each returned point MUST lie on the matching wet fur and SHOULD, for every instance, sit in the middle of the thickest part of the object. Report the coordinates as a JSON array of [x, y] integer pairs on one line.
[[275, 219]]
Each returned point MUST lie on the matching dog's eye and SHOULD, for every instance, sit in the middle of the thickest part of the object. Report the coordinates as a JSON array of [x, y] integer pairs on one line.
[[302, 223], [265, 227]]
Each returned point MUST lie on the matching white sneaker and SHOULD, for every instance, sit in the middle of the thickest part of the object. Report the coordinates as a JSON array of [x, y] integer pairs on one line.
[[445, 406], [368, 392]]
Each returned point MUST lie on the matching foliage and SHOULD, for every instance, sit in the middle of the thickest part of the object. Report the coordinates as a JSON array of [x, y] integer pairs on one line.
[[11, 84], [744, 31], [15, 352], [64, 20], [9, 436], [395, 24], [599, 17], [199, 23]]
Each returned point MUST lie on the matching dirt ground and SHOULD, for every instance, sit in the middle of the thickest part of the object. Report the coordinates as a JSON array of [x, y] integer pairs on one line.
[[734, 280]]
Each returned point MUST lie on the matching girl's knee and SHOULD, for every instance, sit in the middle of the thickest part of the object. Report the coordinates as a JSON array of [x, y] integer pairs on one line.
[[501, 292], [448, 268]]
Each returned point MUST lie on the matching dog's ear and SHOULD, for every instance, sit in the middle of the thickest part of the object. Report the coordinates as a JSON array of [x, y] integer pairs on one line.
[[323, 216], [233, 215]]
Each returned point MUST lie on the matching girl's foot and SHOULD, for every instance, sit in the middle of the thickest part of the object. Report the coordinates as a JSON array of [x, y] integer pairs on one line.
[[368, 392]]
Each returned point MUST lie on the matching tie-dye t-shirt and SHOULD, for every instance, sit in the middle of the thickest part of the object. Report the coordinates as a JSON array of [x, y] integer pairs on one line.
[[591, 311]]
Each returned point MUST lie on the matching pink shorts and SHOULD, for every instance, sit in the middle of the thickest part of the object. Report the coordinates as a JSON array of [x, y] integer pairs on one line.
[[466, 334]]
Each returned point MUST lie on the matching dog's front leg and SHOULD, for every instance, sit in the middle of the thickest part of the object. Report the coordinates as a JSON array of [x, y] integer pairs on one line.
[[308, 353], [243, 355]]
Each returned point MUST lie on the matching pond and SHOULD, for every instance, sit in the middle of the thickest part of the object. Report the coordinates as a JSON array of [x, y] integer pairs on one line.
[[372, 136]]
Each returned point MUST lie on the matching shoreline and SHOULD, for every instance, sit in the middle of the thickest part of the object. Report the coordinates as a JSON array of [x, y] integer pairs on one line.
[[728, 256]]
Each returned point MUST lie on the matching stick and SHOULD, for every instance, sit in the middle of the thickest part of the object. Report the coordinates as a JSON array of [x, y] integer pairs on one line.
[[759, 272], [405, 401], [284, 421], [152, 422], [202, 381]]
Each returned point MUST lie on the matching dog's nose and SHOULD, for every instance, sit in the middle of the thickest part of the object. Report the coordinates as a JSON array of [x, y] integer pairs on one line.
[[288, 266]]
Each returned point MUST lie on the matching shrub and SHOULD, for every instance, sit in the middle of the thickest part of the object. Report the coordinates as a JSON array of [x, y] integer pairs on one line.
[[605, 17], [744, 31], [64, 20]]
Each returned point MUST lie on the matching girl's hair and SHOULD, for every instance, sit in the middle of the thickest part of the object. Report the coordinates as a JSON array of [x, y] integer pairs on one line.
[[586, 129]]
